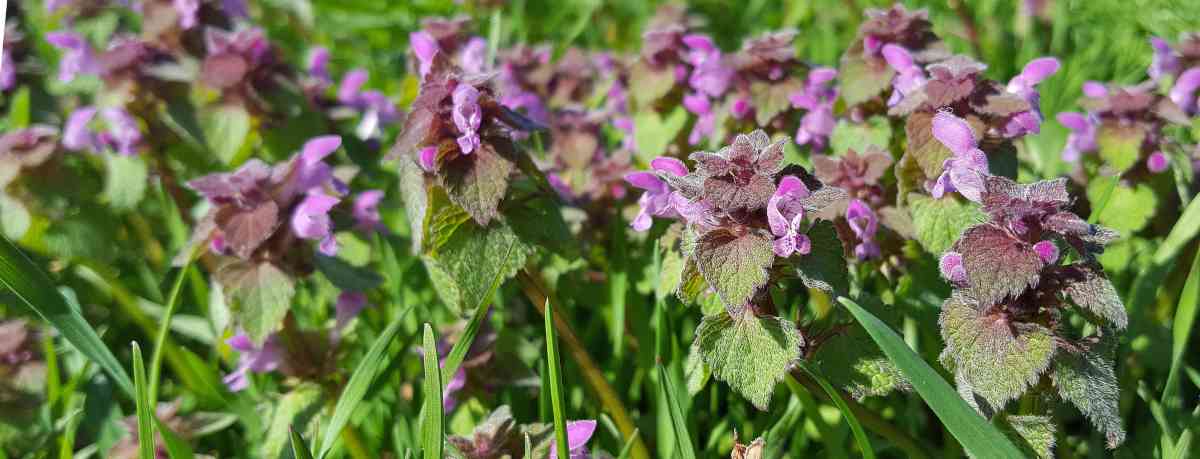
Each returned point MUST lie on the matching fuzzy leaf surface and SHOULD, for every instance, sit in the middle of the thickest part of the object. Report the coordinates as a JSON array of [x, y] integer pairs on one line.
[[259, 294], [749, 353], [940, 222], [735, 266]]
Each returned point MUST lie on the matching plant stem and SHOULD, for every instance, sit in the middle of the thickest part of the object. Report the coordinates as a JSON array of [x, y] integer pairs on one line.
[[869, 419], [164, 328], [538, 293]]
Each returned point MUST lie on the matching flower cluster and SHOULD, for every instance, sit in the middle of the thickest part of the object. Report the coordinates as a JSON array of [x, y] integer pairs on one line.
[[1125, 125], [1004, 323], [867, 71]]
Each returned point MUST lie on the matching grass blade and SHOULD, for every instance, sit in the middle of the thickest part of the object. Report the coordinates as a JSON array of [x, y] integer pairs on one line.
[[628, 448], [860, 436], [683, 441], [357, 387], [145, 413], [432, 423], [34, 288], [164, 327], [979, 438], [556, 395], [299, 449], [1185, 318], [176, 447]]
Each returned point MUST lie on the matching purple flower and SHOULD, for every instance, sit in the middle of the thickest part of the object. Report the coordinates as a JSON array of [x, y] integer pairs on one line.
[[428, 158], [1165, 61], [366, 210], [122, 135], [656, 201], [1157, 162], [349, 304], [740, 107], [963, 172], [699, 104], [473, 56], [77, 57], [816, 126], [818, 98], [578, 434], [253, 359], [710, 74], [951, 267], [186, 9], [864, 223], [467, 117], [311, 221], [1184, 91], [909, 76], [318, 66], [1047, 251], [1025, 86], [235, 9], [352, 82], [77, 135], [310, 170], [425, 47], [1095, 90], [1082, 138], [785, 213], [8, 74]]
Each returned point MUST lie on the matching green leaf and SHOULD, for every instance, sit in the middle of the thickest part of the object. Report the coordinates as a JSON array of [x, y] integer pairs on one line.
[[749, 353], [259, 295], [734, 265], [683, 441], [1089, 288], [979, 438], [987, 357], [1086, 379], [922, 147], [859, 136], [1126, 210], [364, 374], [1119, 146], [650, 83], [539, 222], [859, 435], [14, 218], [295, 409], [299, 449], [1034, 434], [145, 413], [432, 422], [19, 112], [771, 99], [346, 276], [1181, 331], [825, 267], [554, 369], [415, 194], [861, 80], [180, 115], [125, 183], [940, 222], [164, 327], [226, 128], [466, 267], [653, 133], [695, 371], [478, 182], [35, 290], [851, 361]]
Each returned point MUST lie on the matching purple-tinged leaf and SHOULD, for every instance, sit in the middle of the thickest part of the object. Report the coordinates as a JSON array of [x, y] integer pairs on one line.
[[259, 294], [244, 229], [735, 265], [477, 182], [1087, 286], [997, 265]]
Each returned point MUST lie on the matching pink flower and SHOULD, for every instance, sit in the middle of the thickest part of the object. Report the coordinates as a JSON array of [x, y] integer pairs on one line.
[[656, 201], [366, 210], [77, 58], [963, 172], [425, 47], [1082, 138], [1047, 251], [1165, 61], [187, 10], [257, 359], [951, 267], [578, 434], [349, 304], [467, 117], [864, 224], [785, 214], [311, 221], [1025, 86], [909, 76], [1184, 91], [1157, 162], [473, 57], [318, 66]]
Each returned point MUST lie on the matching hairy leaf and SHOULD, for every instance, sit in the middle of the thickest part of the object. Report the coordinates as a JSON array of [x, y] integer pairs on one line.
[[477, 182], [749, 353], [940, 222], [926, 150], [653, 133], [1128, 209], [862, 80], [346, 276], [259, 295], [997, 265], [1089, 288], [695, 371], [853, 362], [825, 267], [771, 99], [1033, 434], [735, 266], [1087, 381], [859, 137], [226, 128], [125, 183], [245, 229], [539, 222], [465, 266], [998, 359]]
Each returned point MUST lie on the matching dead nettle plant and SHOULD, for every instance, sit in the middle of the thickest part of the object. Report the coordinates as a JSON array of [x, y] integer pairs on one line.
[[1018, 277], [745, 222]]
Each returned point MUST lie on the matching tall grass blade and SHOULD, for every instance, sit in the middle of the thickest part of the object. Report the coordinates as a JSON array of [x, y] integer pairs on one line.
[[432, 422], [628, 448], [36, 290], [164, 327], [145, 412], [1185, 319], [860, 436], [556, 392], [360, 381], [299, 448], [683, 441], [979, 438]]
